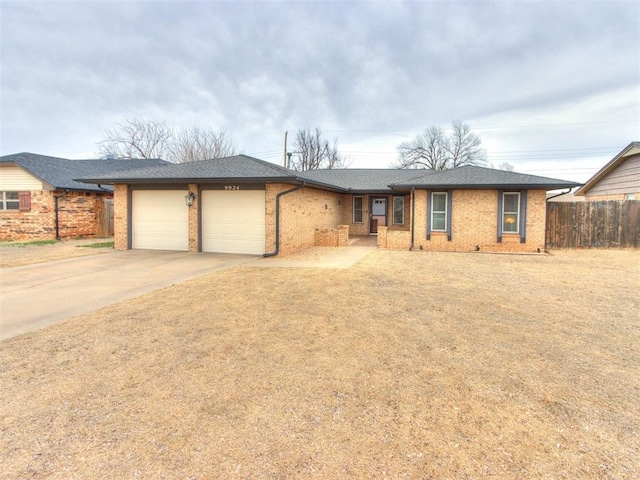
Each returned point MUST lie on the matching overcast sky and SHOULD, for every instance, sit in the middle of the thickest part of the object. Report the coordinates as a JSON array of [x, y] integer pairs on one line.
[[551, 87]]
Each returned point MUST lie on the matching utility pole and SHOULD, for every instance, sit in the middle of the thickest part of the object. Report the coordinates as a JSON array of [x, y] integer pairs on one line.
[[284, 159]]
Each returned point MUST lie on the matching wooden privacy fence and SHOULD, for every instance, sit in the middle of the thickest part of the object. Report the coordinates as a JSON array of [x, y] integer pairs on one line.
[[104, 217], [593, 224]]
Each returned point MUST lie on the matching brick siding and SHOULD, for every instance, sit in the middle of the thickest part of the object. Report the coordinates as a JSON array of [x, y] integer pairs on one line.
[[193, 219], [301, 213], [364, 227], [332, 237], [120, 217], [474, 225], [394, 239], [77, 212], [308, 216]]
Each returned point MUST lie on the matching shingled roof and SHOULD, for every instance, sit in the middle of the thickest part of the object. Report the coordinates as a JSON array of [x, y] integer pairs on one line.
[[61, 173], [243, 168], [472, 177], [364, 180], [236, 168]]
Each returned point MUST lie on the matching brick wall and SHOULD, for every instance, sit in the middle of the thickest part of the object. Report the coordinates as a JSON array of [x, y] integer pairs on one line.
[[301, 213], [343, 235], [77, 215], [364, 227], [347, 215], [474, 224], [193, 219], [332, 237], [120, 217], [37, 223], [77, 212], [393, 239]]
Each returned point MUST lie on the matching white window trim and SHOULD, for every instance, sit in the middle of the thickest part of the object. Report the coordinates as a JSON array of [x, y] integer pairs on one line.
[[393, 210], [517, 214], [4, 200], [353, 209], [446, 213]]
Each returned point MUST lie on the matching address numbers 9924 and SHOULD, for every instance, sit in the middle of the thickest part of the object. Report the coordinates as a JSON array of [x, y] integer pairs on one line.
[[232, 187]]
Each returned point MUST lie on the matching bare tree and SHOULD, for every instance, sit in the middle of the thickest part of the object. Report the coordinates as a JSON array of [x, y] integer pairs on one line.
[[196, 143], [427, 150], [503, 166], [312, 152], [141, 138], [434, 149], [465, 147], [137, 138]]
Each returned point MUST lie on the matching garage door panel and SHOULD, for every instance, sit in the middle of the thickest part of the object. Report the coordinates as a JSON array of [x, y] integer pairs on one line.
[[160, 220], [233, 221]]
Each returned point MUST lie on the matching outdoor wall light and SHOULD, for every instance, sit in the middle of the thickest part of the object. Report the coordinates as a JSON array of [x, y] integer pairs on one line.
[[189, 198]]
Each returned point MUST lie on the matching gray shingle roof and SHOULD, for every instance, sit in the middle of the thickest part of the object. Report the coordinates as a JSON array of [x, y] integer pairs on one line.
[[361, 180], [248, 169], [469, 177], [239, 167], [61, 173]]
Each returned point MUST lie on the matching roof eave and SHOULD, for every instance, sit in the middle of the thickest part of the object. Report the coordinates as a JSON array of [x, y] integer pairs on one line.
[[79, 189], [514, 186], [604, 171], [377, 191], [325, 186], [114, 181]]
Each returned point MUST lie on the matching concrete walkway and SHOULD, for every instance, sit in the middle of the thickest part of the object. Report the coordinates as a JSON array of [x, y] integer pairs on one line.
[[318, 257], [33, 296]]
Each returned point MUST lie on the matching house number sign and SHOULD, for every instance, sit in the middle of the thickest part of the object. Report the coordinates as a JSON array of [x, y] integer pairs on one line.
[[232, 187]]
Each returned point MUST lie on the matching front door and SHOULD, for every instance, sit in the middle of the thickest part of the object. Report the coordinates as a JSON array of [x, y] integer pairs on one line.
[[378, 213]]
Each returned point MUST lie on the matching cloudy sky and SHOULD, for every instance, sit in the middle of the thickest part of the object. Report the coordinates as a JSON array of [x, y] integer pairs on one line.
[[553, 87]]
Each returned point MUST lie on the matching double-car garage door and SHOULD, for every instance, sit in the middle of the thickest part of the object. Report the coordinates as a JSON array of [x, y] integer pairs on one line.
[[230, 221]]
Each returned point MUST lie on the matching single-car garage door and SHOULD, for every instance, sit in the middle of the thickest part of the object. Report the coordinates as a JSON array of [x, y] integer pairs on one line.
[[160, 220], [233, 221]]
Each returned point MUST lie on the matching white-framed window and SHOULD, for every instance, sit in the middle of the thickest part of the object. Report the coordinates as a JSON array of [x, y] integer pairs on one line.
[[510, 212], [358, 209], [439, 211], [398, 210], [9, 200]]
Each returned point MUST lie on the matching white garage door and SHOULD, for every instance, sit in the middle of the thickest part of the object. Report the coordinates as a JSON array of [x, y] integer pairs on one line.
[[160, 220], [233, 221]]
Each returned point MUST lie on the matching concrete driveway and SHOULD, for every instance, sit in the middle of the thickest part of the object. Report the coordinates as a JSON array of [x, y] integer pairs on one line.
[[33, 296]]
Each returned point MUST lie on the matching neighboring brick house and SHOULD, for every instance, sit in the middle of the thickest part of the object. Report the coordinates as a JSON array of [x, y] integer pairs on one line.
[[244, 205], [40, 200], [619, 179]]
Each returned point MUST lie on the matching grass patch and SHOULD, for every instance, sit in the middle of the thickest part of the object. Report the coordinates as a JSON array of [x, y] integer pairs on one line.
[[31, 243], [313, 373], [97, 245]]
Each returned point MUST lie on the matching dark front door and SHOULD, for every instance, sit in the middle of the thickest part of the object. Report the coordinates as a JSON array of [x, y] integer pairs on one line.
[[378, 213]]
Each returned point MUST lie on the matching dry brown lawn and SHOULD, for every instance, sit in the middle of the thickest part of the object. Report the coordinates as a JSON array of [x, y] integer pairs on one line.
[[12, 255], [408, 365]]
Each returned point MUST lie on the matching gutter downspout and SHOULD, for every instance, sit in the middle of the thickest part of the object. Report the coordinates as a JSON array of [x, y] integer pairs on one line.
[[413, 215], [291, 190], [558, 194], [55, 199]]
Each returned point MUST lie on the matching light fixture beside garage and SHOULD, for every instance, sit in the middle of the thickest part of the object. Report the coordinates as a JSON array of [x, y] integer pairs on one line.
[[189, 198]]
